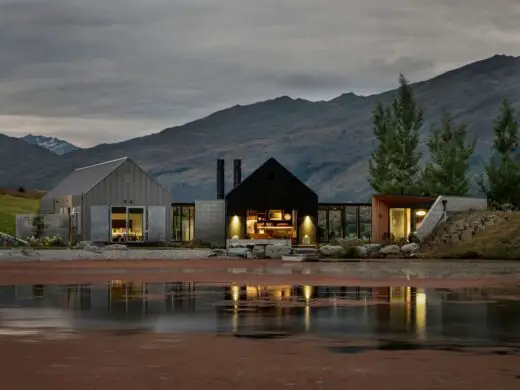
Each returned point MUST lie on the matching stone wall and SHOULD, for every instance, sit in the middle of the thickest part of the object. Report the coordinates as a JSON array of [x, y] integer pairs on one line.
[[210, 222], [52, 225], [462, 227]]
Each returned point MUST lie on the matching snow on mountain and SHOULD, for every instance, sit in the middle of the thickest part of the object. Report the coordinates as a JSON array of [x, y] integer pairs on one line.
[[53, 144]]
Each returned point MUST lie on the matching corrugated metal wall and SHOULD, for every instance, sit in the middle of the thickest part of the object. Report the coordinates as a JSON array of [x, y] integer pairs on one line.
[[127, 186]]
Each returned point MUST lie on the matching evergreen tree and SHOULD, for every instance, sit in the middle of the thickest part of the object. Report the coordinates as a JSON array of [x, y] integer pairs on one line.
[[446, 172], [394, 165], [501, 181]]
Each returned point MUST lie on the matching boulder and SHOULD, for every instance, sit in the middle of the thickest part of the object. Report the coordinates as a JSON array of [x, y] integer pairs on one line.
[[361, 251], [372, 249], [410, 248], [217, 253], [330, 250], [390, 250], [277, 251]]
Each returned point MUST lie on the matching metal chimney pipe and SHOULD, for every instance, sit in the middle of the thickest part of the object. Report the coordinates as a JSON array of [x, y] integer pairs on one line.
[[220, 179], [237, 172]]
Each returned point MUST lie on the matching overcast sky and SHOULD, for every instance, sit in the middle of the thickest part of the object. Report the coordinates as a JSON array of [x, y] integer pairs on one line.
[[94, 71]]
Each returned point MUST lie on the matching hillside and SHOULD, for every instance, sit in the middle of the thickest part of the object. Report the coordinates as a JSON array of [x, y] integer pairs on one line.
[[12, 203], [55, 145], [325, 143]]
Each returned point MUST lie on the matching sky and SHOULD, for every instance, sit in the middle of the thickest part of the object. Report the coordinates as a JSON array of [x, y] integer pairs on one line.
[[95, 71]]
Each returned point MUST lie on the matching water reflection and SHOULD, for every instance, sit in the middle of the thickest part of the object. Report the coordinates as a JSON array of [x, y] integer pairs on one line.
[[413, 313]]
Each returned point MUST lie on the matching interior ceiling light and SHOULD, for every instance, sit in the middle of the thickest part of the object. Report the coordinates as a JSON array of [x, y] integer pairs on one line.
[[420, 213]]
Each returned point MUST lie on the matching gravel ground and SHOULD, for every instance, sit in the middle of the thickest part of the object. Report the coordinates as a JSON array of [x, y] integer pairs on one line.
[[52, 360], [104, 254]]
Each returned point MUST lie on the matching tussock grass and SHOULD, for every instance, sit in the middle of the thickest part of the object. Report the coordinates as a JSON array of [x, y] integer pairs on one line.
[[497, 242], [10, 205]]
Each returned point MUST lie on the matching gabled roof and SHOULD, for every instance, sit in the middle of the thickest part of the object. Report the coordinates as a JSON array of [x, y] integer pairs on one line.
[[272, 186], [82, 180]]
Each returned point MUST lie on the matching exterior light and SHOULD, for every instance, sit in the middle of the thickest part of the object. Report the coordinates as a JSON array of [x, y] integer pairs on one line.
[[420, 213]]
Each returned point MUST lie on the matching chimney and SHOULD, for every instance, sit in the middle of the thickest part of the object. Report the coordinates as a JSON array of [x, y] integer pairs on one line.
[[220, 179], [237, 172]]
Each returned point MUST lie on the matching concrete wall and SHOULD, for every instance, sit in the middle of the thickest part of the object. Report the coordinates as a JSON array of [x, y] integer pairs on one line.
[[54, 225], [210, 222], [455, 204]]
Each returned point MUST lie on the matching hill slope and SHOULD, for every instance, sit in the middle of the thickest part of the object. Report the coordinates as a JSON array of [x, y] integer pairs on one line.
[[326, 144]]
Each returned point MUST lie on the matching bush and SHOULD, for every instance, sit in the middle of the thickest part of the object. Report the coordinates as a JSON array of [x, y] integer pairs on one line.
[[45, 241]]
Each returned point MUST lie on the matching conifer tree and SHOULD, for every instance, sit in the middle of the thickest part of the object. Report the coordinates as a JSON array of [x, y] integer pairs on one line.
[[501, 181], [447, 171], [394, 165]]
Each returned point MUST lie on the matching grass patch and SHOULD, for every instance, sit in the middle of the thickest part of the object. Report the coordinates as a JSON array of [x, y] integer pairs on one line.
[[497, 242], [11, 205]]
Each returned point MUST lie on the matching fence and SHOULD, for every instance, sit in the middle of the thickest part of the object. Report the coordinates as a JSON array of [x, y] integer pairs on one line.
[[42, 225]]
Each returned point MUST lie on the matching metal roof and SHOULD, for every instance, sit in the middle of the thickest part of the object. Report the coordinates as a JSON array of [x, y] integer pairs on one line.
[[82, 180]]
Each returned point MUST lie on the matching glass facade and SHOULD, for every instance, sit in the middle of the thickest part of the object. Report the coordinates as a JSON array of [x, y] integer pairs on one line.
[[183, 222], [348, 220]]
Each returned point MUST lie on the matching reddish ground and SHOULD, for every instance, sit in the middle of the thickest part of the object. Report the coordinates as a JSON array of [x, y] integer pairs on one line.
[[148, 361], [104, 360], [202, 271]]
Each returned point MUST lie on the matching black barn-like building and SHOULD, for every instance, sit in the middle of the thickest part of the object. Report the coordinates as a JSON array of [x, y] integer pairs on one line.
[[272, 203]]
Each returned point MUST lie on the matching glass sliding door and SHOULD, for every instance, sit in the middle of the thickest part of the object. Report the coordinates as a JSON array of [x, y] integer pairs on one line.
[[365, 222], [400, 224], [335, 224], [135, 224], [128, 224], [351, 222], [183, 222]]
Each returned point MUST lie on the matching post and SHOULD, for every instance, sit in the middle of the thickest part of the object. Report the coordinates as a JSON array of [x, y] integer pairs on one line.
[[70, 227]]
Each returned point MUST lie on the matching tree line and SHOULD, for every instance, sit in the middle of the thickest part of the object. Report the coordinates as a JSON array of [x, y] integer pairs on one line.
[[395, 165]]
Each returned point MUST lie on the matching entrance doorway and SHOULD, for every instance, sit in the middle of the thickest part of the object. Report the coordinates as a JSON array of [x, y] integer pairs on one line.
[[400, 224], [127, 224]]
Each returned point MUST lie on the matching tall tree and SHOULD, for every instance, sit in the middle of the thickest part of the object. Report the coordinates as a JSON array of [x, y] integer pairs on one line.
[[394, 165], [447, 171], [501, 181]]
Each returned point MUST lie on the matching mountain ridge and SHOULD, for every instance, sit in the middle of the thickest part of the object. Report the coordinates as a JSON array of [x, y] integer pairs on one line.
[[54, 144], [325, 143]]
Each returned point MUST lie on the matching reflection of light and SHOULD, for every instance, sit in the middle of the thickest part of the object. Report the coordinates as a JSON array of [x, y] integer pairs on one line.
[[420, 297], [307, 293], [235, 294], [420, 312], [307, 318], [420, 213]]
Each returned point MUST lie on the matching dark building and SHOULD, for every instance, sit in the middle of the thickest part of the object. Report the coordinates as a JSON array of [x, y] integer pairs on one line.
[[271, 204]]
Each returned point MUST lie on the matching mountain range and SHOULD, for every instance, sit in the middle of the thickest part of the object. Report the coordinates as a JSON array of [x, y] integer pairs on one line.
[[325, 143], [55, 145]]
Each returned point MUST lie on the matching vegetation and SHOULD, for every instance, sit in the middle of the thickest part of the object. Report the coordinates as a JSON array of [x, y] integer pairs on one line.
[[501, 178], [11, 205], [500, 241], [394, 165], [449, 150]]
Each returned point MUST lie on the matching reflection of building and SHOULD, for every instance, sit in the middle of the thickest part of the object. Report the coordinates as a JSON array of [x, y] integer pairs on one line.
[[114, 201]]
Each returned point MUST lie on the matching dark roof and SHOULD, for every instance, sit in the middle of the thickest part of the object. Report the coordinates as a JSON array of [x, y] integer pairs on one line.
[[82, 180], [271, 186]]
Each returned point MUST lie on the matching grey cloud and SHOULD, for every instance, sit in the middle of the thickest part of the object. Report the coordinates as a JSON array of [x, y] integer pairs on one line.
[[163, 61]]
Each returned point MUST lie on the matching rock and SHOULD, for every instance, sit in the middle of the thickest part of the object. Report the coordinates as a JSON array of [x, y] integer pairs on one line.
[[410, 248], [277, 251], [330, 250], [372, 249], [83, 244], [361, 251], [117, 247], [390, 249], [217, 253]]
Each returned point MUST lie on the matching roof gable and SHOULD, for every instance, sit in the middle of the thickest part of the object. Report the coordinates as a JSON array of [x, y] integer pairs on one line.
[[82, 180], [271, 184]]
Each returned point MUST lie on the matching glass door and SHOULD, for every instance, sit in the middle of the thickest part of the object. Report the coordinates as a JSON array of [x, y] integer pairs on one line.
[[135, 224], [400, 224]]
